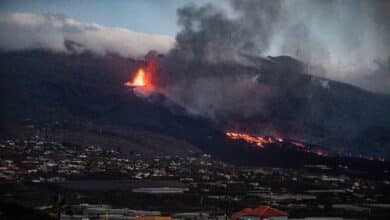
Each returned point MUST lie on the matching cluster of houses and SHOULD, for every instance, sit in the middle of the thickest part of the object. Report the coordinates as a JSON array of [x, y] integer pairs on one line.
[[38, 161], [314, 188]]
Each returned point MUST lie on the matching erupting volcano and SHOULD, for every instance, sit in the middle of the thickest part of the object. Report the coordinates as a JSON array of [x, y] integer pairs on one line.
[[141, 80]]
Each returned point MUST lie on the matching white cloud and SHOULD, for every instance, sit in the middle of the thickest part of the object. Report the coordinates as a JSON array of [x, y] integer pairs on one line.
[[22, 31]]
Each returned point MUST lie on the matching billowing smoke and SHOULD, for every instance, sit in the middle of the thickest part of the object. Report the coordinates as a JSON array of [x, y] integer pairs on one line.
[[209, 34], [220, 66], [345, 38], [24, 31], [379, 79], [218, 92]]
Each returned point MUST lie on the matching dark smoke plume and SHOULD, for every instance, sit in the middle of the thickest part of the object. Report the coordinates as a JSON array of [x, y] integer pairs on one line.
[[209, 34], [272, 66], [343, 37]]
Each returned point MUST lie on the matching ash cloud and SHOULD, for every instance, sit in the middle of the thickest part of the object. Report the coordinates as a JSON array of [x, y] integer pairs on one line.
[[379, 79], [219, 66], [343, 38], [25, 31], [208, 33]]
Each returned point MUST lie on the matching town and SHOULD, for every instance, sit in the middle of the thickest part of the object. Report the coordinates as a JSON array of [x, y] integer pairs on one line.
[[102, 183]]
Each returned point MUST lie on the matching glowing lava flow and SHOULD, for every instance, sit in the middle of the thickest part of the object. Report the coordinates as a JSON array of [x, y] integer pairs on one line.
[[262, 141], [258, 141]]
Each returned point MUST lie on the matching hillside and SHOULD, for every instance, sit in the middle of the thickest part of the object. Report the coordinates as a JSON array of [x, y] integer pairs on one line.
[[282, 97], [81, 99]]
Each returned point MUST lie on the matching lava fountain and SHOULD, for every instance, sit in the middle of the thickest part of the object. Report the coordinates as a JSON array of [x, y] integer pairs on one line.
[[138, 80], [142, 80]]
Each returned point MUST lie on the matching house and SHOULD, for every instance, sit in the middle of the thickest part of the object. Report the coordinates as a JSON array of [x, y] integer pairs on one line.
[[260, 213]]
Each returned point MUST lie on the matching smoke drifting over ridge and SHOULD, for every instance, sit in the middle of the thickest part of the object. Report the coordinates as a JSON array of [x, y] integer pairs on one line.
[[216, 68], [345, 38], [25, 31]]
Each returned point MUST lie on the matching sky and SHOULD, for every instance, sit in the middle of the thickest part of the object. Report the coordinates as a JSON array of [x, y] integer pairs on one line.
[[147, 16]]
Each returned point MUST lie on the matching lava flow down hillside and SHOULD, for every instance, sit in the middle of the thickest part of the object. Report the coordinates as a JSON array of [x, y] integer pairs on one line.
[[273, 96], [268, 141]]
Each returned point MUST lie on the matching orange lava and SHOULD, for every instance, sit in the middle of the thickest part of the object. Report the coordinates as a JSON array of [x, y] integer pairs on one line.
[[297, 144], [258, 141], [142, 79], [139, 79]]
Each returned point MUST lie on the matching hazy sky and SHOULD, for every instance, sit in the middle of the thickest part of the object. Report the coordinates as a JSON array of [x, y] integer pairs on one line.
[[149, 16]]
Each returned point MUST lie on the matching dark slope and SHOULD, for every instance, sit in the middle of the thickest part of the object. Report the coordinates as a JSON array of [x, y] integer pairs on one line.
[[292, 103], [81, 99], [323, 111]]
